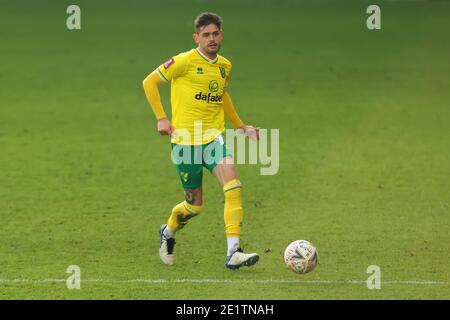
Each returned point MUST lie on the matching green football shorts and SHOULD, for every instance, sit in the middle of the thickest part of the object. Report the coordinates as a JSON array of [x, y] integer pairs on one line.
[[190, 160]]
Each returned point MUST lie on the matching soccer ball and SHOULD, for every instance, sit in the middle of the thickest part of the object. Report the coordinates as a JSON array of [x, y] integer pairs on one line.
[[301, 256]]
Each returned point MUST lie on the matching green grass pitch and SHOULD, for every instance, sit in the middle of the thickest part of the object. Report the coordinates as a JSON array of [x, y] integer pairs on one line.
[[364, 119]]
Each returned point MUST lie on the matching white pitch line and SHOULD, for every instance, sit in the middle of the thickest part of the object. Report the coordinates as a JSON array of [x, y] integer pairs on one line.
[[228, 281]]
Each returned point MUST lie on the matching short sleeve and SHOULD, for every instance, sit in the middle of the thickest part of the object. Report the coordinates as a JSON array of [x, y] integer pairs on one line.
[[172, 68]]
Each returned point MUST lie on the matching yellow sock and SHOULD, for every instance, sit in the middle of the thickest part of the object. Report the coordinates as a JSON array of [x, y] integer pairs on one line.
[[181, 214], [233, 212]]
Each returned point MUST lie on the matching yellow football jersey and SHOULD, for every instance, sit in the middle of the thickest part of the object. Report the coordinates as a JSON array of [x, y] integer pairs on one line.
[[197, 87]]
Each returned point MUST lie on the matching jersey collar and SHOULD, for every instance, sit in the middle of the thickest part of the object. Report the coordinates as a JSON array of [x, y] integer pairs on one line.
[[206, 58]]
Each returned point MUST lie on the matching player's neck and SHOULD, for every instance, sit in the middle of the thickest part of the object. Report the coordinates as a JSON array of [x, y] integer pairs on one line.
[[209, 57]]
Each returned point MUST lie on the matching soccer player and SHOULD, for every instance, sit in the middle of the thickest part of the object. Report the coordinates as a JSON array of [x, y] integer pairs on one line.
[[199, 99]]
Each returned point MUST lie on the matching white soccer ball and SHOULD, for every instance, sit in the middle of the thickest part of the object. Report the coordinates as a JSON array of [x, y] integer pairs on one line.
[[301, 256]]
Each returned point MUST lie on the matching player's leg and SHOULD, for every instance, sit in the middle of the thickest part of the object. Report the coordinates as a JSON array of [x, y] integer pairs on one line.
[[181, 214], [190, 174], [225, 172], [184, 211]]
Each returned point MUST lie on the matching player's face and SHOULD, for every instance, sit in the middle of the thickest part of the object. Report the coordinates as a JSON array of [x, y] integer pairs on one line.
[[209, 39]]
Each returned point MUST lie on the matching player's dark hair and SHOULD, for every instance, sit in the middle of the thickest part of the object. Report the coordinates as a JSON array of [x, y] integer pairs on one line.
[[206, 18]]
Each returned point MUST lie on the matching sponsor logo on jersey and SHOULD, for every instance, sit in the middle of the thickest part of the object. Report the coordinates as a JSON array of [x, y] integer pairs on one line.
[[199, 70], [213, 86], [168, 63], [208, 97]]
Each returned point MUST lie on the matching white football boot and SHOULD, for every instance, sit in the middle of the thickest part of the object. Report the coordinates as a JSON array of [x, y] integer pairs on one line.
[[239, 259], [166, 247]]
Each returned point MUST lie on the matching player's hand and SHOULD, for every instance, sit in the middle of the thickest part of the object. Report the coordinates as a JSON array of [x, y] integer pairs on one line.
[[251, 132], [165, 127]]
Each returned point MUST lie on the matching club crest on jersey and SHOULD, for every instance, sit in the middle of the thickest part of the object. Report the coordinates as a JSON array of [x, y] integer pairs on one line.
[[168, 63], [222, 72]]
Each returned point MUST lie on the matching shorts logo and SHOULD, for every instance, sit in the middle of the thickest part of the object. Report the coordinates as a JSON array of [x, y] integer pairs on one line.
[[222, 72], [168, 63], [184, 176], [213, 86]]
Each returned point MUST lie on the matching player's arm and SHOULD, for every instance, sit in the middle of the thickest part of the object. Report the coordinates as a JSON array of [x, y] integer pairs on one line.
[[173, 67], [151, 84], [230, 113]]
